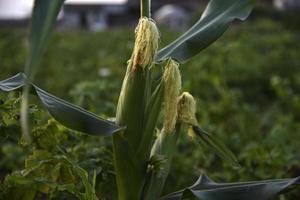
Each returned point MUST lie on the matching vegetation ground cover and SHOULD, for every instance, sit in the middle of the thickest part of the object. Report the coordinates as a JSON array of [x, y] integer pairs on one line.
[[247, 92]]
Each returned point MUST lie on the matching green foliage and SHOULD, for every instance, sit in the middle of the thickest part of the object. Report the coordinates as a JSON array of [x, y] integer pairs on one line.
[[205, 188], [86, 94], [49, 175], [43, 20], [160, 162], [253, 109], [66, 113], [12, 155], [218, 147], [54, 166], [61, 163], [65, 56], [214, 21], [238, 102], [55, 161]]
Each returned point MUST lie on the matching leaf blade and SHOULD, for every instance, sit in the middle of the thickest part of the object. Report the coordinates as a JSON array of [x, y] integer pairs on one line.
[[44, 17], [207, 189], [151, 117], [64, 112], [12, 83], [215, 20], [217, 146]]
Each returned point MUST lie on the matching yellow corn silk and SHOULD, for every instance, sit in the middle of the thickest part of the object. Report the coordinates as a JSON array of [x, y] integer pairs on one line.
[[187, 109], [146, 43], [172, 79], [187, 112]]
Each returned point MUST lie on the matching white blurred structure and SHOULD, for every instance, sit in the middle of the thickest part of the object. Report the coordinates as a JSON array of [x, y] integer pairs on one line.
[[90, 14], [172, 16], [286, 4], [95, 2], [15, 9]]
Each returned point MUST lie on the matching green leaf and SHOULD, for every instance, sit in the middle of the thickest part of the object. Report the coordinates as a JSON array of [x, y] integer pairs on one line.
[[130, 173], [130, 113], [159, 165], [43, 20], [151, 117], [13, 83], [213, 23], [66, 113], [207, 189], [132, 103], [46, 174], [217, 146]]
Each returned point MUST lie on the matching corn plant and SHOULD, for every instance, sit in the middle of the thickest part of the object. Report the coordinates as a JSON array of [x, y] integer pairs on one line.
[[151, 113]]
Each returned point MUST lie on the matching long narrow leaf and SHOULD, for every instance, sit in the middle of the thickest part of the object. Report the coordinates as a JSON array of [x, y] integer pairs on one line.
[[13, 83], [44, 16], [130, 113], [151, 117], [66, 113], [215, 20], [162, 154], [131, 172], [217, 146], [207, 189]]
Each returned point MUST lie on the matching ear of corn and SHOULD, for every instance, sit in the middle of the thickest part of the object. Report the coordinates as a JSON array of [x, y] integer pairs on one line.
[[187, 109], [165, 143], [129, 171], [151, 117], [164, 148], [187, 112], [172, 79], [132, 111], [146, 43]]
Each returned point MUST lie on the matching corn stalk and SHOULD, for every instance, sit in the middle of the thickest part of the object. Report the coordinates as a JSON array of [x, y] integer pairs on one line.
[[130, 165]]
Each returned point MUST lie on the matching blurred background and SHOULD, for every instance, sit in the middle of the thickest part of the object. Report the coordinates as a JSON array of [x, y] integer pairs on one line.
[[247, 84], [96, 15]]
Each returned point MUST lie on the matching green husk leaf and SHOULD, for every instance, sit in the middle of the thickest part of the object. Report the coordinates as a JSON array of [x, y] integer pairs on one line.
[[159, 165], [133, 100], [151, 117], [64, 112], [207, 189], [172, 79], [130, 113], [130, 173], [213, 23]]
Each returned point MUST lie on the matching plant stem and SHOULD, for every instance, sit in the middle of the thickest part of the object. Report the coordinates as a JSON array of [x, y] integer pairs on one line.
[[145, 8], [134, 97], [130, 169], [24, 114]]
